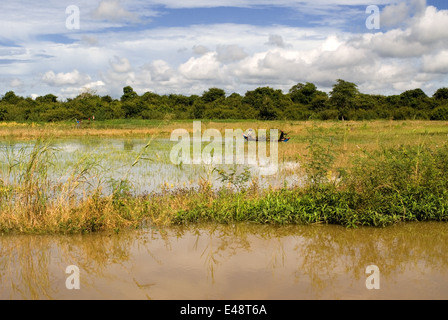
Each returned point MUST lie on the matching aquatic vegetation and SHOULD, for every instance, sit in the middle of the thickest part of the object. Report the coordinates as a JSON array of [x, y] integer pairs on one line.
[[340, 180]]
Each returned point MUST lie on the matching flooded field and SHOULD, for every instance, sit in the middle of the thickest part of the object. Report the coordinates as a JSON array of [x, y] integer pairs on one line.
[[144, 163], [240, 261]]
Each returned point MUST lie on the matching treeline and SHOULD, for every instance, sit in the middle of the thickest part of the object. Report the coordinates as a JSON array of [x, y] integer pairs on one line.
[[302, 102]]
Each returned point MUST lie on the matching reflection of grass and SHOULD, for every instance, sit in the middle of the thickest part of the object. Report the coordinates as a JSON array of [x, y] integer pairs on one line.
[[379, 173], [32, 267]]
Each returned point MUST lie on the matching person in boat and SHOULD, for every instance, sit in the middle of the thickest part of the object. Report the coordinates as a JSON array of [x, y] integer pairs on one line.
[[283, 137], [249, 138]]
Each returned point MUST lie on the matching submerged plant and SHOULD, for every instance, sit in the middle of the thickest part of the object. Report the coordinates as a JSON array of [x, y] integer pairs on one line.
[[234, 177]]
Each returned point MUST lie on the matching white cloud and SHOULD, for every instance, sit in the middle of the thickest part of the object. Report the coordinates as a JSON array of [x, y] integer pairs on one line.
[[62, 79], [160, 70], [112, 10], [206, 67], [200, 50], [431, 27], [120, 65], [437, 63], [395, 14], [229, 53], [72, 83], [276, 40]]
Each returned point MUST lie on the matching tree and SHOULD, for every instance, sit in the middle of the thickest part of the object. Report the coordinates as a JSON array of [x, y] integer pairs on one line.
[[416, 99], [440, 113], [213, 94], [303, 93], [319, 101], [49, 98], [10, 97], [128, 94], [198, 109], [106, 99], [266, 101], [441, 94], [342, 97]]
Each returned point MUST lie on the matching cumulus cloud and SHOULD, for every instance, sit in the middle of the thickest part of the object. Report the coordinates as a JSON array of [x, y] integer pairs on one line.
[[437, 63], [395, 14], [160, 70], [277, 41], [206, 67], [113, 11], [120, 65], [63, 79], [200, 50], [71, 83], [230, 53], [430, 27]]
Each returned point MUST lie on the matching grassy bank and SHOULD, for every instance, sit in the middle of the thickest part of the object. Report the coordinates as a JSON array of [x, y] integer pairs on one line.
[[378, 184]]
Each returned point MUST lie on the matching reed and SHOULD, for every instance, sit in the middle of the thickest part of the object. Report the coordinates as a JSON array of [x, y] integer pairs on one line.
[[351, 180]]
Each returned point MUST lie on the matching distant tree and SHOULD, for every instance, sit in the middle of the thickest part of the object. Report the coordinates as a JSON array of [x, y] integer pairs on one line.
[[128, 94], [10, 97], [343, 94], [49, 98], [267, 101], [441, 94], [150, 97], [3, 113], [213, 94], [303, 93], [416, 99], [198, 109], [319, 101], [234, 101], [413, 94], [440, 113], [106, 99], [342, 97]]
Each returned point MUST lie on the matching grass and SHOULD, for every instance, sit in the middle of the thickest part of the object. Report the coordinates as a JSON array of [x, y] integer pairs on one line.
[[358, 174]]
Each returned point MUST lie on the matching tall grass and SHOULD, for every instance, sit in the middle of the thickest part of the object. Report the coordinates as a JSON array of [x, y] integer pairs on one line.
[[384, 187], [378, 188]]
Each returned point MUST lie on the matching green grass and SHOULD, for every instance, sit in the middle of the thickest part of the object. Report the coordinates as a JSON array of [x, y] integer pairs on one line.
[[358, 174]]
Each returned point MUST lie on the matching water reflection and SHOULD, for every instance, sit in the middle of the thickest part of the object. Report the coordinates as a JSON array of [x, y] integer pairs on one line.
[[241, 261]]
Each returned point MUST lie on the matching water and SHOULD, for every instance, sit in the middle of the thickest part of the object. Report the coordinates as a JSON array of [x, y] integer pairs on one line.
[[115, 159], [240, 261]]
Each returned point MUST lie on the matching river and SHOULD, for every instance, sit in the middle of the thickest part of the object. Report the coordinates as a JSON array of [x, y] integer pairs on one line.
[[242, 261]]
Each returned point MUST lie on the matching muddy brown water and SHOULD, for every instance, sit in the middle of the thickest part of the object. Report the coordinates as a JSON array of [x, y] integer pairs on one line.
[[240, 261]]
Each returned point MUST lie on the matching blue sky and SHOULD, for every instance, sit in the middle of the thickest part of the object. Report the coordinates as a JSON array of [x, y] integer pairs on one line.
[[186, 47]]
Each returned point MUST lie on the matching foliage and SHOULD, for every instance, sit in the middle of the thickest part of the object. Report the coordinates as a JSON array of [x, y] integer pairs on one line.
[[302, 102], [233, 177]]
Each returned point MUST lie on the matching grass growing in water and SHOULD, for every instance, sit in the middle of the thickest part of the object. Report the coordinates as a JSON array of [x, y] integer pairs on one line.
[[379, 187]]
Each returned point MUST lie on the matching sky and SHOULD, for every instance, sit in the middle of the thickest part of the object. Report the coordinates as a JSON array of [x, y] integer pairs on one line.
[[188, 46]]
